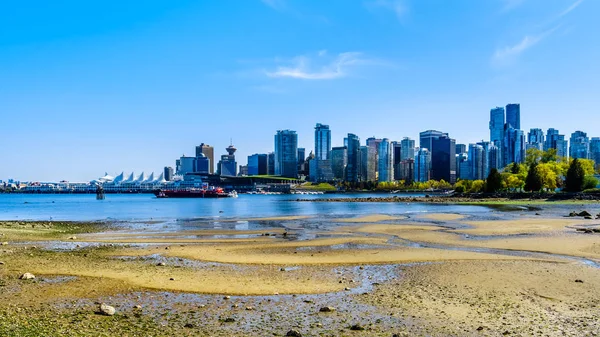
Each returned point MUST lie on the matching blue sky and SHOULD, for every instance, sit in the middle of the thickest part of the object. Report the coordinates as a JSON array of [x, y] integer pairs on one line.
[[94, 86]]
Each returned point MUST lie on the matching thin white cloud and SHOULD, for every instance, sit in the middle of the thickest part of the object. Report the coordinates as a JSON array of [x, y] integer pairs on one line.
[[571, 8], [511, 4], [398, 7], [303, 67], [510, 53]]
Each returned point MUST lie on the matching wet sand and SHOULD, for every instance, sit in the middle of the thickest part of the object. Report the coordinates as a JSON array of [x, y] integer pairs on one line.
[[431, 275]]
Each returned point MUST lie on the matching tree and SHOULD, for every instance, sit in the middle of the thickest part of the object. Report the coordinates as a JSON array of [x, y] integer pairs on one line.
[[549, 156], [548, 176], [533, 182], [477, 186], [494, 181], [533, 155], [589, 182], [575, 176]]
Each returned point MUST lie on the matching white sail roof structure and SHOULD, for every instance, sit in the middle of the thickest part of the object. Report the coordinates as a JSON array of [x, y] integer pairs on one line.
[[130, 179], [149, 179], [106, 178], [160, 179], [119, 178], [141, 178]]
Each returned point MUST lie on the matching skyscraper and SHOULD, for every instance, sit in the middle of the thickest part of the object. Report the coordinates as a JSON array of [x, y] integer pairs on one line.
[[227, 165], [386, 161], [372, 159], [339, 161], [556, 141], [513, 149], [168, 173], [286, 153], [462, 167], [497, 125], [322, 141], [408, 149], [353, 165], [580, 145], [407, 170], [202, 164], [301, 155], [475, 162], [271, 163], [422, 165], [486, 158], [257, 164], [321, 165], [513, 115], [209, 152], [535, 139], [426, 138], [397, 151], [461, 148], [443, 159], [595, 151]]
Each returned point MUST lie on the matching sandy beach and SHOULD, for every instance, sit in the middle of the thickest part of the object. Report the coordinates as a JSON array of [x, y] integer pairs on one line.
[[428, 275]]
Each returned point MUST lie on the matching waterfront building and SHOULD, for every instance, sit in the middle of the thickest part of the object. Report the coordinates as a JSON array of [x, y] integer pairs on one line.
[[443, 159], [339, 161], [353, 163], [185, 165], [554, 140], [408, 149], [535, 139], [372, 158], [321, 168], [209, 152], [202, 164], [461, 148], [257, 164], [426, 138], [301, 155], [385, 163], [497, 125], [227, 165], [286, 153], [513, 115], [407, 170], [397, 152], [476, 161], [364, 163], [495, 158], [513, 149], [595, 151], [462, 167], [243, 172], [271, 163], [168, 173], [580, 145], [422, 165]]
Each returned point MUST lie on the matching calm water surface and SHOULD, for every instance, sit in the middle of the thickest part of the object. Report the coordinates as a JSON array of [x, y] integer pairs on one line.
[[145, 207]]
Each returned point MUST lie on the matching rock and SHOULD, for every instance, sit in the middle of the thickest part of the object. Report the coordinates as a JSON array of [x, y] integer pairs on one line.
[[137, 307], [161, 264], [4, 243], [537, 214], [72, 238], [578, 281], [573, 214], [107, 310], [480, 328], [293, 333], [327, 309], [357, 327], [27, 276], [588, 217], [584, 213], [282, 269], [189, 325], [229, 320], [249, 308], [226, 297], [1, 263], [347, 289], [171, 279]]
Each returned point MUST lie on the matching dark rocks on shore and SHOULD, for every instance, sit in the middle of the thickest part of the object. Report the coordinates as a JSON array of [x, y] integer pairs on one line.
[[293, 333], [229, 320], [189, 326], [584, 214], [327, 309], [1, 263], [357, 327], [578, 281]]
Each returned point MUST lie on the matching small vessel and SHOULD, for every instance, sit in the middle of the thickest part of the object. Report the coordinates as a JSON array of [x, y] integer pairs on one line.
[[233, 194], [211, 192]]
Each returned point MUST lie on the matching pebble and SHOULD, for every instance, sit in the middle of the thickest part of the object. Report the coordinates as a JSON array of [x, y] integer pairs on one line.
[[5, 243], [293, 333], [161, 264], [1, 263], [229, 320], [226, 297], [107, 310], [357, 327], [189, 325]]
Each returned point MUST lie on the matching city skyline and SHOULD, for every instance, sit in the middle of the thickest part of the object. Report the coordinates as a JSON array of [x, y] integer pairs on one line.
[[130, 88]]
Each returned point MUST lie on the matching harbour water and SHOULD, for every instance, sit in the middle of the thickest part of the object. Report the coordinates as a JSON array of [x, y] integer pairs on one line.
[[145, 207]]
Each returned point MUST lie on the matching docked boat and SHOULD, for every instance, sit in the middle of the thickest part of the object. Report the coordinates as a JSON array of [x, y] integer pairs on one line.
[[212, 192]]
